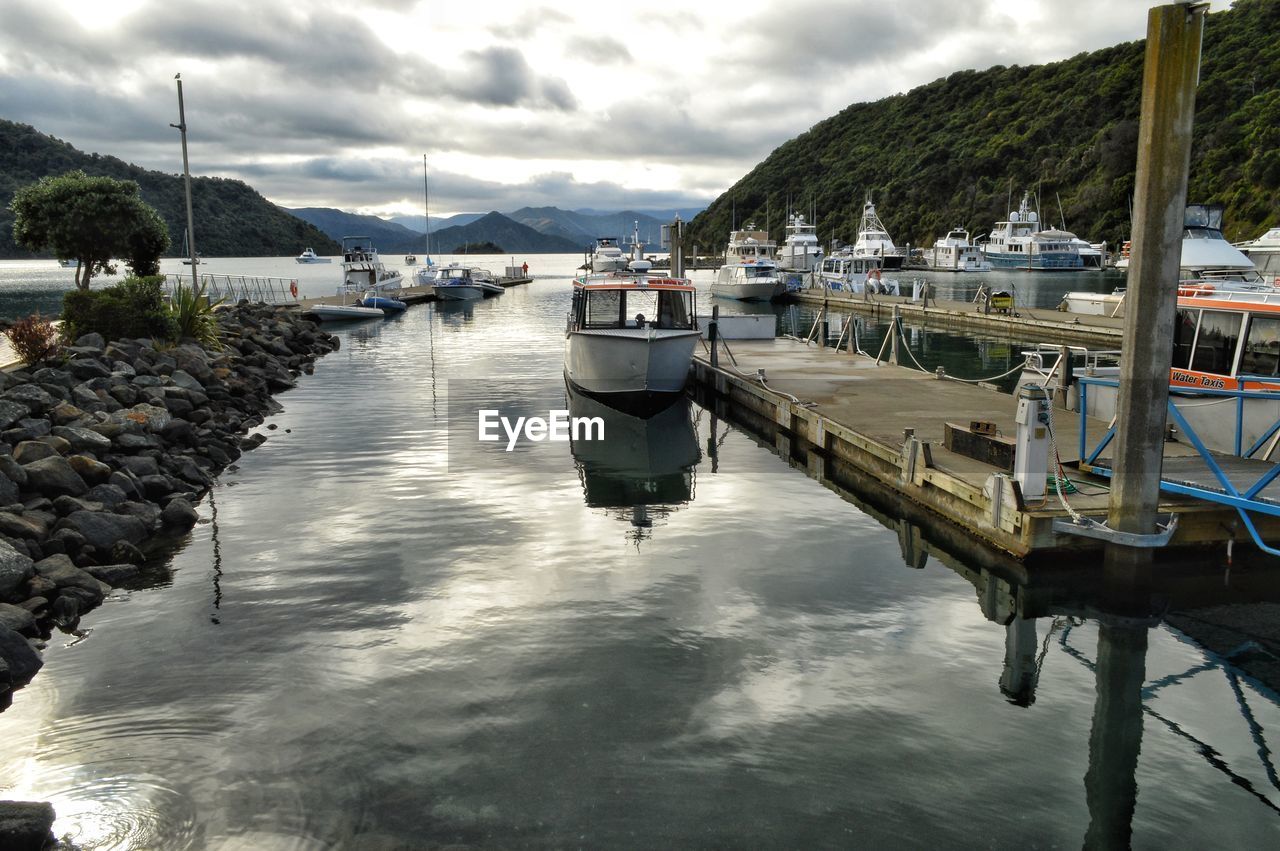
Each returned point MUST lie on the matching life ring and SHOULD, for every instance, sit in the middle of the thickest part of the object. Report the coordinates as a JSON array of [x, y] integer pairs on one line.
[[293, 288], [1193, 290]]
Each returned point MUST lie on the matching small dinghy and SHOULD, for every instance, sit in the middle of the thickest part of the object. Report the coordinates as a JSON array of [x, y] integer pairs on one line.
[[383, 303], [338, 312]]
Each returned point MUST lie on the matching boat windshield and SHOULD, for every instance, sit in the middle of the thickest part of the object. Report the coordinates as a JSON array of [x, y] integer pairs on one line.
[[629, 308], [757, 271], [1203, 216]]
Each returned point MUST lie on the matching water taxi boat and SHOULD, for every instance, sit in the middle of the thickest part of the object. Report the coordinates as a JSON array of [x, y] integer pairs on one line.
[[955, 252], [1019, 243], [873, 240], [310, 256], [362, 268], [749, 272], [629, 339]]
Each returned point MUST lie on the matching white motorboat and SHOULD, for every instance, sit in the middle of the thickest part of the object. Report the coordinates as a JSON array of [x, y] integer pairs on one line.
[[750, 272], [362, 268], [456, 282], [873, 240], [607, 256], [1019, 243], [1264, 252], [309, 256], [955, 252], [843, 271], [411, 260], [630, 339], [800, 251]]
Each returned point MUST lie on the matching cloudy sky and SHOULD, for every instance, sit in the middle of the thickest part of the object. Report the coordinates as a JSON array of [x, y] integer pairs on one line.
[[571, 104]]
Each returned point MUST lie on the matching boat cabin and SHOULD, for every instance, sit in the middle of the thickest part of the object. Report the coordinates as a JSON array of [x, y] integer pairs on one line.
[[1233, 335], [662, 303]]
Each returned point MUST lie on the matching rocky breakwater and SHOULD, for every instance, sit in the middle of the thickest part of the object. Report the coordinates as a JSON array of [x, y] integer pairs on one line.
[[109, 449]]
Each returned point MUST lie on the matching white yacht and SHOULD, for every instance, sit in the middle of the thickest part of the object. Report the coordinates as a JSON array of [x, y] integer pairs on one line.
[[873, 240], [363, 270], [310, 256], [1019, 243], [607, 256], [630, 338], [955, 252], [750, 272], [800, 251], [1206, 254], [1265, 254]]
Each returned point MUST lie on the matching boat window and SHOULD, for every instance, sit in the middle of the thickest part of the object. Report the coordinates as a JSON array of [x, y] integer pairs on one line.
[[673, 310], [1268, 262], [1184, 333], [759, 271], [1261, 355], [604, 309], [1216, 343]]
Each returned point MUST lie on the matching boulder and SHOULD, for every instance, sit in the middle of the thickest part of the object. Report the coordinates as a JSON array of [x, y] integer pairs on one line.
[[16, 618], [92, 340], [185, 380], [82, 439], [114, 575], [179, 514], [37, 400], [108, 494], [65, 413], [15, 570], [8, 490], [32, 450], [101, 530], [87, 368], [126, 553], [13, 471], [53, 477], [22, 526], [94, 472], [151, 417], [23, 662], [147, 512], [12, 411]]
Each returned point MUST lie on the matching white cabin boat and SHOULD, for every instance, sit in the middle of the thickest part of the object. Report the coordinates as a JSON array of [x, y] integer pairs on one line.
[[800, 251], [843, 271], [1019, 243], [1206, 254], [955, 252], [750, 272], [630, 339], [873, 240], [607, 256], [456, 282], [310, 256], [1264, 252], [362, 268]]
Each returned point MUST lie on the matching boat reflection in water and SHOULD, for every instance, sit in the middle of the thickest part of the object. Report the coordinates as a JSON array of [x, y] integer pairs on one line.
[[643, 469]]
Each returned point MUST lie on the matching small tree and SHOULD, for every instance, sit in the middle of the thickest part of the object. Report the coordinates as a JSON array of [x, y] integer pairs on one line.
[[89, 220]]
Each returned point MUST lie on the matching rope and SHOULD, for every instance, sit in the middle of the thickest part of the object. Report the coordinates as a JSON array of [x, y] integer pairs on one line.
[[912, 355]]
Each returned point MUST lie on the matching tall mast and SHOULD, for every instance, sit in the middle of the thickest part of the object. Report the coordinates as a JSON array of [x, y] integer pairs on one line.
[[426, 206]]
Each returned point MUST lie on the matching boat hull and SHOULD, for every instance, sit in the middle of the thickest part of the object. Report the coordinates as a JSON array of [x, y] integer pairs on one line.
[[343, 312], [467, 292], [766, 290], [628, 369], [1056, 261]]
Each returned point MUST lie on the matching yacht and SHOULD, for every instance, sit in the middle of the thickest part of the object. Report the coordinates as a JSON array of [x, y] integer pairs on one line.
[[800, 251], [362, 269], [873, 240], [1265, 254], [1206, 254], [607, 256], [955, 252], [309, 256], [750, 272], [1019, 243], [629, 339]]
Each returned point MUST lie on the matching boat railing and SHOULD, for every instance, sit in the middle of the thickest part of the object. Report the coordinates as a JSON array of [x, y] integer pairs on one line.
[[233, 288], [1076, 357], [1236, 488]]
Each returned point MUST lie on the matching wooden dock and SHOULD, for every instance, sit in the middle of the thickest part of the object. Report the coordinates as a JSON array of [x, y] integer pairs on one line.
[[409, 295], [878, 431], [1026, 324]]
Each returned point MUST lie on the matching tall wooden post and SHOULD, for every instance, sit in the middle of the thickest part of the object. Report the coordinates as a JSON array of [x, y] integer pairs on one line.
[[677, 248], [1164, 153]]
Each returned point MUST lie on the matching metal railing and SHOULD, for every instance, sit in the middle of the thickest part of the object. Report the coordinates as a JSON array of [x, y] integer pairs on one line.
[[233, 288]]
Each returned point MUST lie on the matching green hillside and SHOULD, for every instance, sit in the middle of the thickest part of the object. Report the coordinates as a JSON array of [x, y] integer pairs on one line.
[[231, 219], [954, 151]]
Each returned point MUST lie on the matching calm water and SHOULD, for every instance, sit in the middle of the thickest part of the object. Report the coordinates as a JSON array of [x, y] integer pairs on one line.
[[383, 634]]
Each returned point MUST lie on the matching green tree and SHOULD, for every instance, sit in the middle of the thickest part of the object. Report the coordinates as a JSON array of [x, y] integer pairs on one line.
[[89, 220]]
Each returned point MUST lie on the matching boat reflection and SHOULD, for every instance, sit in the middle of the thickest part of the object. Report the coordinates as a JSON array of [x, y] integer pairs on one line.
[[642, 469], [455, 312]]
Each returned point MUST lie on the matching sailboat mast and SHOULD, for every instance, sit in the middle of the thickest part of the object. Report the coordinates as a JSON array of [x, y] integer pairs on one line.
[[426, 205]]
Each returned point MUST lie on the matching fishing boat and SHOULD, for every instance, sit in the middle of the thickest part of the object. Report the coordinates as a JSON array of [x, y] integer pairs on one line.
[[955, 252], [606, 256], [873, 240], [750, 272], [799, 251], [456, 282], [1019, 243], [386, 305], [629, 339], [309, 256], [1264, 253], [362, 268], [843, 271]]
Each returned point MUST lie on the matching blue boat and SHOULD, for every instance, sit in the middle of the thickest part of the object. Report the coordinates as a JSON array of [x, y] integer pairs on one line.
[[386, 305], [1019, 243]]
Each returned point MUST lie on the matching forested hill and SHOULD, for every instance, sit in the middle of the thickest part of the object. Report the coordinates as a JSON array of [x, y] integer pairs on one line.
[[954, 152], [231, 219]]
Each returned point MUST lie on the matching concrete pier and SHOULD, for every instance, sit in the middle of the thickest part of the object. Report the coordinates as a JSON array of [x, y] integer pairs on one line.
[[880, 430]]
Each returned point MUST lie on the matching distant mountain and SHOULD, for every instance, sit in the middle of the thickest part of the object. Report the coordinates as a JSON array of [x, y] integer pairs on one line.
[[513, 236], [388, 237], [663, 216], [418, 223], [231, 219], [583, 228]]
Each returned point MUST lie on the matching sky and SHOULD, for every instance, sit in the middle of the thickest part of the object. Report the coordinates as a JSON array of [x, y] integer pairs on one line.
[[334, 103]]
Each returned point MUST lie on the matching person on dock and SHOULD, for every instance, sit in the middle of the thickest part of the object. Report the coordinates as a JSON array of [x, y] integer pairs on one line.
[[525, 268]]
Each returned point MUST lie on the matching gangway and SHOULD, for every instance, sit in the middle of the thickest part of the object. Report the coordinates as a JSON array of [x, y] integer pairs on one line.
[[233, 288], [1240, 480]]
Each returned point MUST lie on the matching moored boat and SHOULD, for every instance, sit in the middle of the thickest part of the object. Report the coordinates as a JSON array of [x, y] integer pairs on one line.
[[456, 282], [386, 305], [842, 271], [749, 272], [955, 252], [309, 256], [799, 251], [606, 256], [1019, 243], [411, 260], [341, 312], [873, 240], [362, 268], [630, 339], [1264, 253]]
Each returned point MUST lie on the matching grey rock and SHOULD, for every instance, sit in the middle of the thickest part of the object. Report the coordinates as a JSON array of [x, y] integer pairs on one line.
[[108, 494], [114, 575], [16, 618], [87, 368], [64, 413], [92, 340], [65, 505], [152, 417], [32, 450], [137, 442], [23, 525], [13, 471], [147, 512], [82, 439], [23, 663], [11, 412], [123, 369], [147, 381], [15, 569], [61, 571], [37, 400], [93, 472], [179, 514], [36, 425], [8, 491], [53, 477], [61, 446], [126, 483], [185, 380], [49, 375], [126, 553], [140, 465], [101, 530]]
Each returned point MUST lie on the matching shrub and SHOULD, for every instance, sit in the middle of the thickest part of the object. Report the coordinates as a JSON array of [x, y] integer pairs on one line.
[[193, 316], [135, 307], [34, 338]]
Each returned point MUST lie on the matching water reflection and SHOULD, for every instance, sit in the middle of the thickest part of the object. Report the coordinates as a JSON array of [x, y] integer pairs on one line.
[[643, 469]]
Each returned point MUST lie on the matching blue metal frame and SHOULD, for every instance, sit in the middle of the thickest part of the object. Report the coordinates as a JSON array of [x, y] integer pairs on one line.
[[1243, 502]]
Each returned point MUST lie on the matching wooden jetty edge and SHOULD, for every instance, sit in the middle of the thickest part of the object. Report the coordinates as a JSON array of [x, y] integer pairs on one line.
[[870, 427]]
